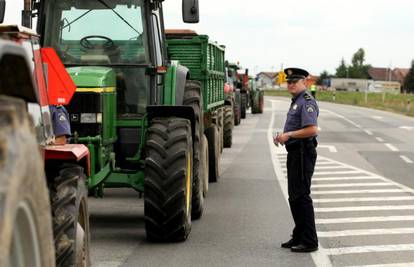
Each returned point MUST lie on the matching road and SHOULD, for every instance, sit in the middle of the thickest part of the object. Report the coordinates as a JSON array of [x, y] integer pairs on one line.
[[362, 190]]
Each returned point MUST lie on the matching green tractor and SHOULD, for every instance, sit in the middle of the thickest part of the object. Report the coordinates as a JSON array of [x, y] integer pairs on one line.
[[137, 112]]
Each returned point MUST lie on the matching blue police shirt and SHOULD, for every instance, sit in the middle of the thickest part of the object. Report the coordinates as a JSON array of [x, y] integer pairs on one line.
[[60, 120], [303, 112]]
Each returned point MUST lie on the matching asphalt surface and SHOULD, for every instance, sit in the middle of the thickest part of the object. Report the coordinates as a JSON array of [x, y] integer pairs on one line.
[[362, 189]]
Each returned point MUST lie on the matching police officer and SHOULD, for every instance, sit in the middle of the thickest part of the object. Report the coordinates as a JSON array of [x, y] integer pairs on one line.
[[299, 136], [61, 124]]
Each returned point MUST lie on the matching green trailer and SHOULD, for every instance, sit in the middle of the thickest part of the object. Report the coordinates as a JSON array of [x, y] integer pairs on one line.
[[206, 63]]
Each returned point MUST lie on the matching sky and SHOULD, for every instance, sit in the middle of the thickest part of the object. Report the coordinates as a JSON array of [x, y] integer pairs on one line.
[[263, 35]]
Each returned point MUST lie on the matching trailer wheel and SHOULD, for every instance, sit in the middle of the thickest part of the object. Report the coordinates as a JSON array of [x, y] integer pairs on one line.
[[220, 127], [193, 98], [212, 135], [26, 237], [168, 180], [69, 197], [228, 126], [243, 105], [204, 165]]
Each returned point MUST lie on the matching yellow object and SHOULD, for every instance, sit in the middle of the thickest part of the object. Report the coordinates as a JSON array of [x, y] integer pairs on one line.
[[281, 78], [97, 90]]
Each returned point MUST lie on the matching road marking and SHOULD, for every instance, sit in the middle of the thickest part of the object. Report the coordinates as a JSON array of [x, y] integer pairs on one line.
[[365, 219], [409, 128], [368, 132], [365, 208], [370, 249], [338, 172], [377, 117], [404, 264], [319, 257], [379, 139], [331, 148], [359, 232], [367, 191], [324, 163], [347, 178], [342, 117], [391, 147], [406, 159], [329, 167], [349, 185], [362, 199]]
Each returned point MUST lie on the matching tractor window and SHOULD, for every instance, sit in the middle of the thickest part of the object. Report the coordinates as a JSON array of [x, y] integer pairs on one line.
[[97, 31]]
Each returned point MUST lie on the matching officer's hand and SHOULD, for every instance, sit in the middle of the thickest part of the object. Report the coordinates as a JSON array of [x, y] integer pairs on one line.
[[275, 141], [282, 139]]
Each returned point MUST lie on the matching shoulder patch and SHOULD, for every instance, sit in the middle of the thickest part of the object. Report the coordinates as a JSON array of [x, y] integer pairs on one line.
[[310, 108], [307, 97]]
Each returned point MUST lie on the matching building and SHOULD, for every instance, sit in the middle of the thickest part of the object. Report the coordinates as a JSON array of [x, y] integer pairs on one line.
[[266, 79], [388, 74]]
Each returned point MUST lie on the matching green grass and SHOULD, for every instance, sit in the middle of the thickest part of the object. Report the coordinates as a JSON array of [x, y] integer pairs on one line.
[[398, 103]]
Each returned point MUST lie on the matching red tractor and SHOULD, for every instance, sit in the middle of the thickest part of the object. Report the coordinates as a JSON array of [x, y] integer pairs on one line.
[[44, 218]]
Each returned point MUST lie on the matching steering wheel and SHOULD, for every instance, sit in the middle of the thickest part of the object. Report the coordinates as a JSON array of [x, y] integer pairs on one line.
[[84, 42]]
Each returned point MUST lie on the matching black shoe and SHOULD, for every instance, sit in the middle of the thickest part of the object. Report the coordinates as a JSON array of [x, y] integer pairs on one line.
[[290, 243], [303, 248]]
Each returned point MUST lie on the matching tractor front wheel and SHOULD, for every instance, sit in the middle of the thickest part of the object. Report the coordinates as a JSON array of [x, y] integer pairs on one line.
[[168, 180], [69, 198]]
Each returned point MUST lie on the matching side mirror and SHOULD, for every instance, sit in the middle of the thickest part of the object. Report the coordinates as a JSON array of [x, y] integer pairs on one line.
[[191, 12], [2, 10]]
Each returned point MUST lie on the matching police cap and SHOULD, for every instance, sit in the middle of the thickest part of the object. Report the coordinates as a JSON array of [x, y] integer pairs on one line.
[[295, 74]]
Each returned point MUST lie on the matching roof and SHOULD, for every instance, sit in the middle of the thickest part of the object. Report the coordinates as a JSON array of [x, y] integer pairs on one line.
[[400, 74], [271, 75], [381, 74]]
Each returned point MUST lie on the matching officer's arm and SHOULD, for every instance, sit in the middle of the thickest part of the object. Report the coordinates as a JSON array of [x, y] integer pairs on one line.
[[308, 131]]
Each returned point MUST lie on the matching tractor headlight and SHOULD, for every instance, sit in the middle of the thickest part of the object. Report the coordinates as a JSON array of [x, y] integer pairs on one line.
[[88, 118]]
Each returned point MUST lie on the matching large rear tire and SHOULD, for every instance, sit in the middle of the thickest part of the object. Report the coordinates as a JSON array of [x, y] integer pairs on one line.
[[237, 108], [261, 102], [193, 98], [228, 126], [213, 136], [243, 103], [26, 237], [69, 197], [168, 180]]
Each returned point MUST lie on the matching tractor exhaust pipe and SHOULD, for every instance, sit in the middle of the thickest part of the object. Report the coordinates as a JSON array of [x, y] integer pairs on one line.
[[27, 14]]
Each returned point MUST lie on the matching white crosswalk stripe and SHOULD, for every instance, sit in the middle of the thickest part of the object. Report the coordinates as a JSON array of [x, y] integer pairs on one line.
[[343, 192]]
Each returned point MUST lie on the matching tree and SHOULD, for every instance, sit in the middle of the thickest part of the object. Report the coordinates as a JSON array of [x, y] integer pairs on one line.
[[358, 69], [342, 70], [409, 79]]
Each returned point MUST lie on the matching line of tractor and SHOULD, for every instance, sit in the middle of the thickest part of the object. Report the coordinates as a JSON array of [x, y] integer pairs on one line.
[[149, 109]]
